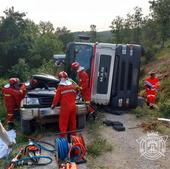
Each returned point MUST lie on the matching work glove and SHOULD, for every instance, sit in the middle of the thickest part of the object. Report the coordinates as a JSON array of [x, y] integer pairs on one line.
[[150, 87], [79, 88], [52, 107]]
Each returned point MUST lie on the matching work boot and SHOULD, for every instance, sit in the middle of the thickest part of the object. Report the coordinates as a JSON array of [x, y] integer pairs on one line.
[[11, 125]]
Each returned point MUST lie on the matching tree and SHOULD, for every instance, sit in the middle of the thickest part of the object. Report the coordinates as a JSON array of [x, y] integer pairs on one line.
[[93, 33], [45, 47], [11, 27], [45, 27], [161, 15], [128, 29], [12, 24], [137, 24], [117, 27], [150, 32], [64, 35]]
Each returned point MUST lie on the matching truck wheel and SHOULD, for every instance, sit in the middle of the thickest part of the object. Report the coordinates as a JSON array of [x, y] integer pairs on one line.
[[26, 126], [81, 121]]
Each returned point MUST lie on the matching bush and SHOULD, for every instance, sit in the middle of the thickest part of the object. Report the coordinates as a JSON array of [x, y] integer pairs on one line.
[[165, 109], [20, 70], [48, 67], [99, 146], [139, 112], [165, 87]]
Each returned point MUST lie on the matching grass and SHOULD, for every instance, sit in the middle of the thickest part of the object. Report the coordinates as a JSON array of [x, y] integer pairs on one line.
[[2, 111], [98, 145], [146, 113]]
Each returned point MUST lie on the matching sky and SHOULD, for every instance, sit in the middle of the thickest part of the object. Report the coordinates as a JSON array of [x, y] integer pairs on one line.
[[76, 15]]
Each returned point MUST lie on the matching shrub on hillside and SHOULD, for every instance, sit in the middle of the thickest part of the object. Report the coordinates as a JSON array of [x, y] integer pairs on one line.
[[2, 83], [20, 70], [48, 67], [165, 109], [165, 87]]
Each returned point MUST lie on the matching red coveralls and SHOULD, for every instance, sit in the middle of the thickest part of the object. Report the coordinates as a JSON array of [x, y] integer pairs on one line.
[[84, 84], [151, 92], [23, 88], [12, 99], [66, 95]]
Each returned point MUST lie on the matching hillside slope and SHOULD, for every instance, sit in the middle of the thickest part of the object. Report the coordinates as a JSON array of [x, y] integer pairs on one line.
[[161, 64]]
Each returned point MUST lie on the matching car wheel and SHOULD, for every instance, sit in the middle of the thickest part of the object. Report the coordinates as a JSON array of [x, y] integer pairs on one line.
[[81, 121], [26, 126]]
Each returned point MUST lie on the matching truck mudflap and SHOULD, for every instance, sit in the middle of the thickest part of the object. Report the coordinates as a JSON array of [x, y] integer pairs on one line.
[[103, 73], [32, 113]]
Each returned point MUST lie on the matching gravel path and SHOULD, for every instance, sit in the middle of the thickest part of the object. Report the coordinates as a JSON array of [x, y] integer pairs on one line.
[[125, 154]]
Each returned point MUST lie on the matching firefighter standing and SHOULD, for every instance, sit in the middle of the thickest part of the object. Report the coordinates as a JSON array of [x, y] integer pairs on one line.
[[12, 97], [83, 82], [66, 95], [151, 87]]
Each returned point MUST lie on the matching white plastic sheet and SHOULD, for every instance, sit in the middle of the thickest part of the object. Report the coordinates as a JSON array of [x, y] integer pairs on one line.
[[4, 150]]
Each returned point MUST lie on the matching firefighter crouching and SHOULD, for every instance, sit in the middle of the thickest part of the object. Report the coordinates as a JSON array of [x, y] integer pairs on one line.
[[152, 87], [66, 96], [83, 82], [12, 96]]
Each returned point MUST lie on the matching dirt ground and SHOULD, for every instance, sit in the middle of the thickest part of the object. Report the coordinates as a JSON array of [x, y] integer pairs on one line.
[[125, 153]]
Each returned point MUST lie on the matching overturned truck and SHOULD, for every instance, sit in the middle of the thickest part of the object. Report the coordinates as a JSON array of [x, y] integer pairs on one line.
[[113, 70]]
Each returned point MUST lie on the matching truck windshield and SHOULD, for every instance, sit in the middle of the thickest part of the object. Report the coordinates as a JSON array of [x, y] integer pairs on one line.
[[83, 54], [80, 52]]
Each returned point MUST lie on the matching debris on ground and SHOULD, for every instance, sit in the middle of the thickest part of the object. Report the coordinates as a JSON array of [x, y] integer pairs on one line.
[[118, 126]]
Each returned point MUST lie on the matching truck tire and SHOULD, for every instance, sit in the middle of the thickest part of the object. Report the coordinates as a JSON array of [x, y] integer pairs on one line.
[[26, 126], [119, 127], [81, 121]]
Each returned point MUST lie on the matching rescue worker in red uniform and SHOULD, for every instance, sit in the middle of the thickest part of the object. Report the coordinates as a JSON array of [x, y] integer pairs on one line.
[[12, 98], [152, 87], [66, 96], [25, 87], [83, 82]]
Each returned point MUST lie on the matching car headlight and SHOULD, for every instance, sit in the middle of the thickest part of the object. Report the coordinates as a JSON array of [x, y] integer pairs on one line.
[[30, 101]]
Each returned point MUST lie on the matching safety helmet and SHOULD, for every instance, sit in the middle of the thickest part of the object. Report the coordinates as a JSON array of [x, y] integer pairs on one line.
[[75, 65], [63, 75], [13, 81]]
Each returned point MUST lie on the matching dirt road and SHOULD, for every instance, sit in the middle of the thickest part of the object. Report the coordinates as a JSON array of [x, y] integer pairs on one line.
[[125, 153]]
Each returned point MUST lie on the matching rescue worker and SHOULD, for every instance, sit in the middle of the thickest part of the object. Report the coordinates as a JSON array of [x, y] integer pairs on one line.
[[152, 87], [66, 96], [83, 82], [12, 98], [32, 84]]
